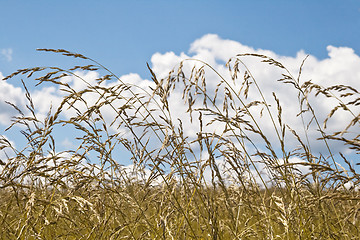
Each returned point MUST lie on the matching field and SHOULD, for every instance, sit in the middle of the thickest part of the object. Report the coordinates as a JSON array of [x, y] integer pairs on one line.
[[208, 160]]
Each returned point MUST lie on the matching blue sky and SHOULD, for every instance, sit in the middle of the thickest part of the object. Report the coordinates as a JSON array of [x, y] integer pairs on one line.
[[125, 35]]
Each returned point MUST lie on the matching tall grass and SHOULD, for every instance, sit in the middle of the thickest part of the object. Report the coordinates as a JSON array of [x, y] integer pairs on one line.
[[215, 171]]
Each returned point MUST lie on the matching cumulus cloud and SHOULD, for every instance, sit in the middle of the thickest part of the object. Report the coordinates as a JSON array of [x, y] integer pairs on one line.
[[6, 147], [12, 94], [7, 54], [342, 66]]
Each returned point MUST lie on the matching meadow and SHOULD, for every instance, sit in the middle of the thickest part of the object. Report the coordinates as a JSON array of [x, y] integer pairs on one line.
[[209, 160]]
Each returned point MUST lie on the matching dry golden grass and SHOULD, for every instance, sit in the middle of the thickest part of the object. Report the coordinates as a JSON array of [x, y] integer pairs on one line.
[[178, 188]]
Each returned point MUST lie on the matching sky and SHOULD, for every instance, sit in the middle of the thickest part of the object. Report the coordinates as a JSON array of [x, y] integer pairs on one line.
[[125, 35]]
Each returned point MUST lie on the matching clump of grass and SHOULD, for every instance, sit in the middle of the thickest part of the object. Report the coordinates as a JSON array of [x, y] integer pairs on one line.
[[228, 179]]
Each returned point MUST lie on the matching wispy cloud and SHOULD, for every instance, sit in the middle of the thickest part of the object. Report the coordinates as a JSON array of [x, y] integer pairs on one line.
[[68, 144], [7, 54]]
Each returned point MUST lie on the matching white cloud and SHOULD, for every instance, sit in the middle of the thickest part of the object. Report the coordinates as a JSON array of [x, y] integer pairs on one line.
[[351, 185], [7, 54], [163, 63], [341, 67], [6, 151], [44, 98], [81, 80], [7, 144], [12, 94], [67, 144]]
